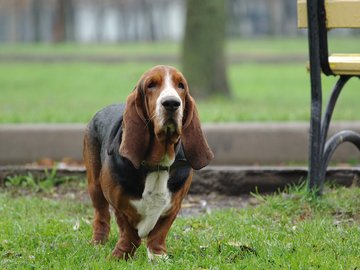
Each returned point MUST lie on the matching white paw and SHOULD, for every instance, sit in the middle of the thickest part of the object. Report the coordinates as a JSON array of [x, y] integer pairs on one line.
[[154, 257]]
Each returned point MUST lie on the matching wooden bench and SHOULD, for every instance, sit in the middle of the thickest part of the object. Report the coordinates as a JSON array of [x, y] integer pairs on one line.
[[320, 16]]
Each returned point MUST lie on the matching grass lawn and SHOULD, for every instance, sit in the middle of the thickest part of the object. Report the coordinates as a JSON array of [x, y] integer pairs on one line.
[[73, 92], [285, 231], [63, 92], [259, 46]]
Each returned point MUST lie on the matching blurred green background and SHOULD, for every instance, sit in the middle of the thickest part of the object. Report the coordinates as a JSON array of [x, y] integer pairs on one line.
[[56, 76]]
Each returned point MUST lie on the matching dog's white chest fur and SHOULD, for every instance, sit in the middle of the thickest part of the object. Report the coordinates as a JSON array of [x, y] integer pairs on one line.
[[155, 201]]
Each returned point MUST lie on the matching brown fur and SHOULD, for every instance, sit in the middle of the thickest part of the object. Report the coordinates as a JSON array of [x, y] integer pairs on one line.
[[136, 136], [138, 129]]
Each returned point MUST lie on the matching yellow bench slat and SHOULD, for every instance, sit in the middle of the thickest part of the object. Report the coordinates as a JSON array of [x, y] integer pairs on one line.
[[345, 64], [339, 13]]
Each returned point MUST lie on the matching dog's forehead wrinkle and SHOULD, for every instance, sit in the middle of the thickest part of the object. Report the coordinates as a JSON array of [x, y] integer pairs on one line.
[[167, 79], [168, 89]]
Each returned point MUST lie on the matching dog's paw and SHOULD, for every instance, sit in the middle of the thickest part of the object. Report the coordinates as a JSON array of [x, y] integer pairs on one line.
[[99, 239], [120, 254], [153, 257]]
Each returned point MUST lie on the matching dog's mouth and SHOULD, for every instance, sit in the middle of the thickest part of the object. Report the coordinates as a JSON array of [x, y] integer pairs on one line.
[[170, 131], [170, 126]]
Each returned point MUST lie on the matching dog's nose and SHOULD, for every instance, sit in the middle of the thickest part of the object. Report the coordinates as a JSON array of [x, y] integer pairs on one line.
[[170, 104]]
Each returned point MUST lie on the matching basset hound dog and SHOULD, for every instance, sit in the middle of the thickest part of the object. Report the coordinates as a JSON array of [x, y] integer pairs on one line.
[[140, 158]]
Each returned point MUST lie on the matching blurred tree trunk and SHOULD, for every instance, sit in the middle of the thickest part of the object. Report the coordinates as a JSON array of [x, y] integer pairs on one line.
[[36, 16], [12, 28], [63, 21], [147, 13], [203, 55]]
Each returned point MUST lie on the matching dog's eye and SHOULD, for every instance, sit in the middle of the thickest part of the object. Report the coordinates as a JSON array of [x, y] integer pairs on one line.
[[181, 85], [151, 85]]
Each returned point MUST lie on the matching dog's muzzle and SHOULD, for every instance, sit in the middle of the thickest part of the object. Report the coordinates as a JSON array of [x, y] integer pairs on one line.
[[171, 104], [171, 115]]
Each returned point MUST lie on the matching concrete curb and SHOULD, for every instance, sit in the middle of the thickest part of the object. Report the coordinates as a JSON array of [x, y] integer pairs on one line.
[[233, 144]]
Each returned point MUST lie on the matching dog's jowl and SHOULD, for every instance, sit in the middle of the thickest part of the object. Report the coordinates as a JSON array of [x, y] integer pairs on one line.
[[139, 159]]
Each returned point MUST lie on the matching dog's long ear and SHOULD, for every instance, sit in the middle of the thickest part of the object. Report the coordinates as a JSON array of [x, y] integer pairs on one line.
[[136, 136], [196, 148]]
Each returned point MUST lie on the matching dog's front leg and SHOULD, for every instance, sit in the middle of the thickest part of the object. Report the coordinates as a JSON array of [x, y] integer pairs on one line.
[[156, 240], [128, 241]]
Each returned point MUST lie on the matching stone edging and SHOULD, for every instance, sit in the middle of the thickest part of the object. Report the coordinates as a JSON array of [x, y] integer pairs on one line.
[[232, 143]]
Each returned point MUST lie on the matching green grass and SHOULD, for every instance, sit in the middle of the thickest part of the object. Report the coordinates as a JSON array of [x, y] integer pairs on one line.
[[63, 92], [299, 45], [35, 92], [286, 231], [73, 92], [259, 46]]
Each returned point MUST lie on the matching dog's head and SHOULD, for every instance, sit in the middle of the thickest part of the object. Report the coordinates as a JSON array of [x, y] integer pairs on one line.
[[161, 105]]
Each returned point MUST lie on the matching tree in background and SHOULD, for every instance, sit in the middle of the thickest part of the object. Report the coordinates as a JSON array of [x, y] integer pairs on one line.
[[203, 55], [63, 21]]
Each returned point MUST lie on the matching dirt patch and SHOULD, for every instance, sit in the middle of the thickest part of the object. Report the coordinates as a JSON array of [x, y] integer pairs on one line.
[[225, 180], [193, 204], [204, 204], [212, 188]]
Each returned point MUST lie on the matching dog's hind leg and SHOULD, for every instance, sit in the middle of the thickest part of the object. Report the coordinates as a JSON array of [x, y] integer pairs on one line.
[[101, 223]]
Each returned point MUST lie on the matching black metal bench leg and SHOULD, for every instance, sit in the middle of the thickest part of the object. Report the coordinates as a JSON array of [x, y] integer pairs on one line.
[[315, 140], [316, 97], [325, 128], [315, 143], [325, 149], [331, 105], [319, 152], [332, 144]]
